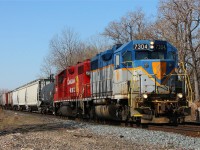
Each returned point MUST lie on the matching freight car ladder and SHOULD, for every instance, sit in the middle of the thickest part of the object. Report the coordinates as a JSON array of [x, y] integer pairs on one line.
[[187, 82]]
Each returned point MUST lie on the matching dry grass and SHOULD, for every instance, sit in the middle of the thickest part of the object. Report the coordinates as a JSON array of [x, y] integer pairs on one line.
[[9, 120]]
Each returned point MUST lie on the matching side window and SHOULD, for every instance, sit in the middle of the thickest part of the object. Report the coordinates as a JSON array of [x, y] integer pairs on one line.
[[60, 79], [71, 71], [117, 61], [127, 58], [80, 69]]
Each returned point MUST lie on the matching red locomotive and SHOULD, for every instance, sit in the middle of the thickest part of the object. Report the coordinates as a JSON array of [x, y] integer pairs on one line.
[[72, 86]]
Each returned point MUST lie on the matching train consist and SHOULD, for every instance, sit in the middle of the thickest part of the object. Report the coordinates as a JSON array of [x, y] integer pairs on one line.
[[136, 81]]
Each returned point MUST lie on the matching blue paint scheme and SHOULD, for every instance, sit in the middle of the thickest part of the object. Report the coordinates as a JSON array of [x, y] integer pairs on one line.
[[149, 69], [95, 62], [129, 47], [102, 73], [104, 59]]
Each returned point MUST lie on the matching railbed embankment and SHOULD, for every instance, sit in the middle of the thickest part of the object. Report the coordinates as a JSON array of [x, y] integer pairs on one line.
[[29, 131]]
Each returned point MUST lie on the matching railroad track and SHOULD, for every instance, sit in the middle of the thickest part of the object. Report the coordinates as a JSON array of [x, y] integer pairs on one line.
[[190, 129]]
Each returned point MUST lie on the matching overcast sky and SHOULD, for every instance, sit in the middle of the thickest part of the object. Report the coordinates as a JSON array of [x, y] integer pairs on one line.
[[26, 27]]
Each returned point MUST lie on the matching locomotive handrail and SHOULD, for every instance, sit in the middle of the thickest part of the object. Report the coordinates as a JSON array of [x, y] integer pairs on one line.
[[188, 84]]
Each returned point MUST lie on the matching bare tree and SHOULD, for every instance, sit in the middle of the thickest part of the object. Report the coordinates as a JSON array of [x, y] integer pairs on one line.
[[98, 43], [63, 51], [129, 27], [63, 48], [67, 49], [179, 23], [46, 68]]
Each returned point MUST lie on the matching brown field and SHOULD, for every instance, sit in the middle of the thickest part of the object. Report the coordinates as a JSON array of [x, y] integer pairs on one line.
[[34, 132], [10, 120]]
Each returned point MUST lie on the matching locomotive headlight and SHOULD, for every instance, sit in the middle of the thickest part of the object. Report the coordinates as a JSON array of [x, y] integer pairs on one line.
[[151, 45], [180, 95], [152, 42], [145, 96]]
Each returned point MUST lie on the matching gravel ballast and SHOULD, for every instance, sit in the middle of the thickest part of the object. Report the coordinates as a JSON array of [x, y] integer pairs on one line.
[[147, 137], [34, 132]]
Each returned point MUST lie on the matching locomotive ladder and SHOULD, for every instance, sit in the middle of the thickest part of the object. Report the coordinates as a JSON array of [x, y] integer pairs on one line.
[[134, 90], [81, 100], [188, 84]]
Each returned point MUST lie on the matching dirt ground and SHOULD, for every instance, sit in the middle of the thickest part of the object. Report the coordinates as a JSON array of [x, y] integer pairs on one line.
[[26, 132]]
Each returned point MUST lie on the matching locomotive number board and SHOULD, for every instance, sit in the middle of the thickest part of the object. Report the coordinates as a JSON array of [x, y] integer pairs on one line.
[[141, 46], [146, 47], [160, 47]]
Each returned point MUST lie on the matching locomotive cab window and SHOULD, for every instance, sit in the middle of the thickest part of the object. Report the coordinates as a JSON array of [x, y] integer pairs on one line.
[[127, 58], [140, 55], [157, 55]]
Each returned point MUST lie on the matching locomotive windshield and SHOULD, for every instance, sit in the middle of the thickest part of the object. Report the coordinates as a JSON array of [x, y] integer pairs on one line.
[[127, 58], [149, 55]]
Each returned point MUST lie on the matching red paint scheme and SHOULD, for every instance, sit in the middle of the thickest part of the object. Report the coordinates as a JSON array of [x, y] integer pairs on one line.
[[83, 85], [70, 89], [73, 83], [58, 95]]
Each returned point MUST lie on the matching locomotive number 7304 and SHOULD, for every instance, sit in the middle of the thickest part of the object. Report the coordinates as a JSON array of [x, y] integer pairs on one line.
[[141, 46]]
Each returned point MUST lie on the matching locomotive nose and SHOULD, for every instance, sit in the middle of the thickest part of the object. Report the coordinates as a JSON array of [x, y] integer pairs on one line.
[[159, 69]]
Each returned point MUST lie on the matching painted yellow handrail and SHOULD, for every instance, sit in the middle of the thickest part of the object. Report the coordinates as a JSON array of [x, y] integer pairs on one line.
[[188, 84]]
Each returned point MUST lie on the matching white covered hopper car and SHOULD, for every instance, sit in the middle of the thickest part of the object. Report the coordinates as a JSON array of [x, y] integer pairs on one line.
[[27, 97]]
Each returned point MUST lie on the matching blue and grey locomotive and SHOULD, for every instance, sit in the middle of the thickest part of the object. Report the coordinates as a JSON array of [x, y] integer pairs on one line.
[[139, 81]]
